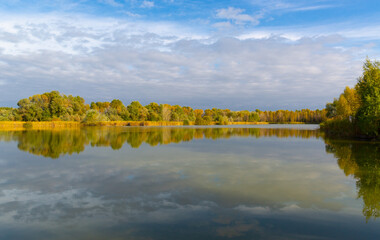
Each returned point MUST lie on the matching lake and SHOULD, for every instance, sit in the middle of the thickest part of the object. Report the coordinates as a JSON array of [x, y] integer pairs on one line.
[[219, 182]]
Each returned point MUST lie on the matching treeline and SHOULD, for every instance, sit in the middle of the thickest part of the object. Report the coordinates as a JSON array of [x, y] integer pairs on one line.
[[356, 113], [53, 106]]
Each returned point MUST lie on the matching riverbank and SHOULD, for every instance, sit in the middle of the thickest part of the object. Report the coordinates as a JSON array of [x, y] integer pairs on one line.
[[18, 125], [345, 129]]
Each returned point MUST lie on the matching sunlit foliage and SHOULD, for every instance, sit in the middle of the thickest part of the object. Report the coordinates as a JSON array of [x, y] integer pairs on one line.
[[368, 88], [9, 114], [54, 106], [357, 111]]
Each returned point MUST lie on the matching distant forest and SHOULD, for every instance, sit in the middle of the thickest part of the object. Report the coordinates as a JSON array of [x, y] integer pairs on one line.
[[54, 106]]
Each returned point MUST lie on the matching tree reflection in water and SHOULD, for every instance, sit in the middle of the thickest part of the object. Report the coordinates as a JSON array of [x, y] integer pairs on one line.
[[55, 143], [362, 161], [358, 159]]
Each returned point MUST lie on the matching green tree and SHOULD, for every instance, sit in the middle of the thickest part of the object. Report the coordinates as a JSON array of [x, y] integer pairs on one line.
[[189, 113], [178, 114], [51, 106], [223, 121], [117, 111], [254, 117], [93, 116], [154, 111], [137, 111], [368, 88], [331, 109], [9, 114]]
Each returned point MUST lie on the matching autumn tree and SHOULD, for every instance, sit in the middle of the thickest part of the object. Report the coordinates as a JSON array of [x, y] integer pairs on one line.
[[166, 112], [348, 103], [154, 111], [137, 111], [357, 111], [51, 106]]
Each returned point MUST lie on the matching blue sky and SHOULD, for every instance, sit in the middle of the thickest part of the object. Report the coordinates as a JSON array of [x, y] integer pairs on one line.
[[275, 54]]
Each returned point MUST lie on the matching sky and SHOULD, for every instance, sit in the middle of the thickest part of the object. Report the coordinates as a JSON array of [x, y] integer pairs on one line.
[[241, 55]]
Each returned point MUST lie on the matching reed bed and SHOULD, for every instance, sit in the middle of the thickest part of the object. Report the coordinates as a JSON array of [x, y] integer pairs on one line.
[[134, 123], [15, 125], [247, 123], [18, 125]]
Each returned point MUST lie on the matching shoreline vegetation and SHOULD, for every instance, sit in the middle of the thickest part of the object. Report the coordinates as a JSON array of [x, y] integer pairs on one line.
[[62, 125], [356, 113], [56, 110]]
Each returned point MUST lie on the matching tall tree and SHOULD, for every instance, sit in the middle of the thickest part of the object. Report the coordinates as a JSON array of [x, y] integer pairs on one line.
[[368, 88]]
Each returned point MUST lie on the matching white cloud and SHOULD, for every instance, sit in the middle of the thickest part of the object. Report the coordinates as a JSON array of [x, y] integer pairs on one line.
[[350, 31], [112, 3], [147, 4], [237, 15], [131, 14], [254, 210], [164, 62], [222, 25], [309, 8], [291, 208], [272, 8], [286, 6]]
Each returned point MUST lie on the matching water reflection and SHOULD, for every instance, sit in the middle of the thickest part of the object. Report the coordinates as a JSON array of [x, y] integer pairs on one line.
[[362, 161], [54, 144], [252, 183]]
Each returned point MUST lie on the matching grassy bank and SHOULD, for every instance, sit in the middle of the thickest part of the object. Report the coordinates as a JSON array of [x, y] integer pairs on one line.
[[288, 123], [341, 128], [134, 123], [245, 123], [18, 125]]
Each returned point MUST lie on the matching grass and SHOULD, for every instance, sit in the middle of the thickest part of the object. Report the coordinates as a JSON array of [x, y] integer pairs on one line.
[[15, 125], [18, 125], [247, 123], [134, 123], [338, 128]]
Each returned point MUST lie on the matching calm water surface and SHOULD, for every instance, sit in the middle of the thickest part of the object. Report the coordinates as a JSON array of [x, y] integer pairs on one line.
[[259, 182]]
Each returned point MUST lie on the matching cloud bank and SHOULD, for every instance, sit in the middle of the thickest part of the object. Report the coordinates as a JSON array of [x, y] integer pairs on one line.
[[105, 58]]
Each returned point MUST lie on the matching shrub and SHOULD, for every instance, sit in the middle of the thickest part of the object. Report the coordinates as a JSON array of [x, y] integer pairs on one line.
[[223, 121]]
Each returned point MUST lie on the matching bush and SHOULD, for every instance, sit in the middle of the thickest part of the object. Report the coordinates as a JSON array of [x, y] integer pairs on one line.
[[207, 120], [339, 127], [93, 116], [198, 121], [223, 121]]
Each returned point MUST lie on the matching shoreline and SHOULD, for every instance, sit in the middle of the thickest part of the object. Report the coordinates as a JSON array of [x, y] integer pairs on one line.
[[21, 125]]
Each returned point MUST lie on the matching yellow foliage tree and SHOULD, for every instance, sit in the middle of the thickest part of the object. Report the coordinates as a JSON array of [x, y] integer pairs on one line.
[[348, 103]]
